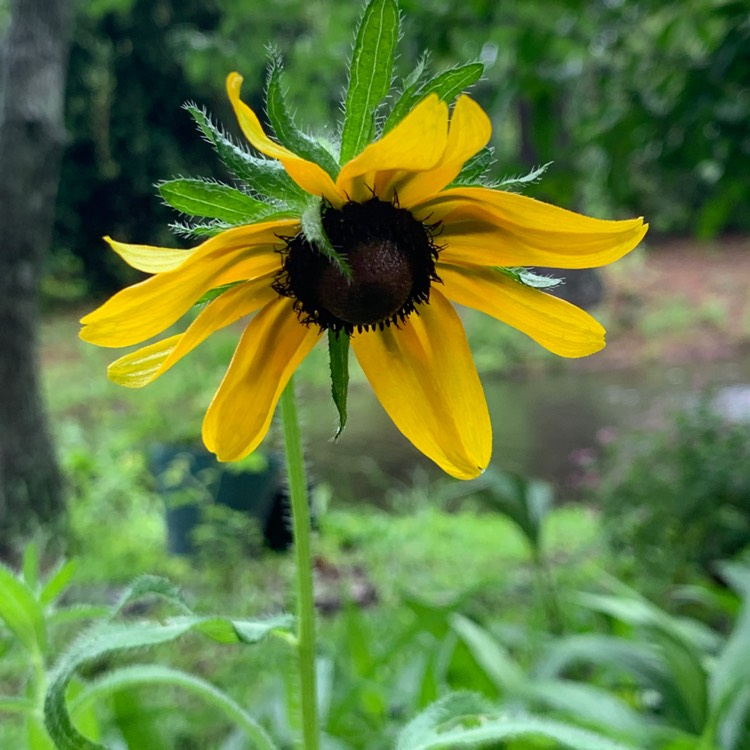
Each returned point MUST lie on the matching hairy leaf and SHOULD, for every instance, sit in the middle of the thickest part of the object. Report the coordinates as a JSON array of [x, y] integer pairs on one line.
[[286, 130], [213, 200], [265, 177], [447, 85], [370, 75], [21, 612], [108, 637]]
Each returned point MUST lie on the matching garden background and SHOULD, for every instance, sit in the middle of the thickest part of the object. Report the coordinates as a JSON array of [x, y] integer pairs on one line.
[[595, 573]]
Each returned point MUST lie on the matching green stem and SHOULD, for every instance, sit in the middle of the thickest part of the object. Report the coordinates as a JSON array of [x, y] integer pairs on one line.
[[295, 465]]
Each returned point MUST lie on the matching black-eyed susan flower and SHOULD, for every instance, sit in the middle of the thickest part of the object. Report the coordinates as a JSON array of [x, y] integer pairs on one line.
[[386, 245]]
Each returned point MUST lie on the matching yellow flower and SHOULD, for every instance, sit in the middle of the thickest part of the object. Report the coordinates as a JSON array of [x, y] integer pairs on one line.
[[413, 245]]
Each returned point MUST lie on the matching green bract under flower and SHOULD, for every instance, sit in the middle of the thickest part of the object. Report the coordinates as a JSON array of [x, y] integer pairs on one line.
[[377, 251]]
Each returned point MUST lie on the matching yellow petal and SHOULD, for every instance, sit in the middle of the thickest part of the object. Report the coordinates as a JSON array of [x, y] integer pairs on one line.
[[487, 227], [271, 349], [312, 178], [143, 366], [424, 376], [469, 131], [146, 309], [149, 258], [416, 144], [557, 325]]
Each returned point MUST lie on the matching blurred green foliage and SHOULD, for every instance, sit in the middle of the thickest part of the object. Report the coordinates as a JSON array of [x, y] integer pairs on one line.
[[642, 105], [676, 500]]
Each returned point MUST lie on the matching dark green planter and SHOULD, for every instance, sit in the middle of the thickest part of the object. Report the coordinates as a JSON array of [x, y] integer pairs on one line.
[[191, 479]]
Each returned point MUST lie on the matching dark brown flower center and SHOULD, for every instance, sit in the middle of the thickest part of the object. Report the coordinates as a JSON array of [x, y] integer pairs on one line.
[[391, 257]]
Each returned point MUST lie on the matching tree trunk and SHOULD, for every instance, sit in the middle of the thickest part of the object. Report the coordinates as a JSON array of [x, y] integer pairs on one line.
[[33, 63]]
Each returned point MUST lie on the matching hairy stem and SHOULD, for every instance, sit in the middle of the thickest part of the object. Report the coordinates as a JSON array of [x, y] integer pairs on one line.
[[305, 602]]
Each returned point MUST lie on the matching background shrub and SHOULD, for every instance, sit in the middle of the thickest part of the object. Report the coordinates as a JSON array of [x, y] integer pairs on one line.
[[677, 499]]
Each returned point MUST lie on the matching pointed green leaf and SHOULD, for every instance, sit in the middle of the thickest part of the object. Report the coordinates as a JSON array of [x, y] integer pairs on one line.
[[285, 129], [265, 177], [312, 227], [526, 179], [57, 582], [108, 637], [419, 75], [450, 83], [21, 612], [213, 200], [338, 357], [496, 662], [447, 85], [476, 170], [370, 75], [537, 281], [31, 566]]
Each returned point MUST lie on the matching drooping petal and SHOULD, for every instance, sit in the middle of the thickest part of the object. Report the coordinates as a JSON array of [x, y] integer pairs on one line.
[[149, 258], [272, 347], [425, 378], [143, 366], [143, 310], [416, 144], [557, 325], [494, 228], [469, 131], [312, 178]]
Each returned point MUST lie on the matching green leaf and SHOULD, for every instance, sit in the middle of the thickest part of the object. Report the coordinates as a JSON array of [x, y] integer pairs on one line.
[[283, 125], [447, 85], [596, 649], [418, 75], [461, 720], [533, 176], [108, 637], [495, 661], [537, 281], [370, 75], [57, 582], [199, 231], [338, 357], [312, 227], [21, 612], [266, 177], [524, 501], [149, 675], [213, 200], [36, 737], [211, 229], [475, 171], [149, 585], [454, 706], [590, 705], [76, 613], [31, 566]]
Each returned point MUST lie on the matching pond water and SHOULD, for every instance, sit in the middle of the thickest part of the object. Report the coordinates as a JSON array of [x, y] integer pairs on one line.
[[538, 421]]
